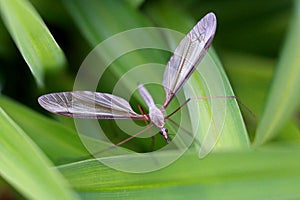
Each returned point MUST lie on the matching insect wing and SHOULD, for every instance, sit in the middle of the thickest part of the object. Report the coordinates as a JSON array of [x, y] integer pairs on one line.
[[87, 104], [188, 55]]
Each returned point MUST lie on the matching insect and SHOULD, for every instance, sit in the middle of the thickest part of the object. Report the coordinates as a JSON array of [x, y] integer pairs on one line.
[[96, 105]]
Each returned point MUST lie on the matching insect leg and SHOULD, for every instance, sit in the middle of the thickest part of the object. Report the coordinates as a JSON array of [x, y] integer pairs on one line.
[[146, 122]]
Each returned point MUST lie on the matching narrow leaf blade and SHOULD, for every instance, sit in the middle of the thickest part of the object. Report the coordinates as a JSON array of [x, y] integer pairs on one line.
[[61, 144], [32, 37], [218, 176], [25, 167], [283, 98]]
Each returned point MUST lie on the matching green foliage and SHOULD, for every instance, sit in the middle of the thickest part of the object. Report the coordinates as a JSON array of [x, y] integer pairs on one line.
[[32, 37], [285, 82], [24, 165], [249, 36], [230, 175]]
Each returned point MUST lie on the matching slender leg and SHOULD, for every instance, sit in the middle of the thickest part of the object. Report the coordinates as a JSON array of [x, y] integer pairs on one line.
[[199, 98], [124, 141], [229, 97], [213, 122], [113, 146], [184, 103], [176, 110], [184, 130], [146, 122]]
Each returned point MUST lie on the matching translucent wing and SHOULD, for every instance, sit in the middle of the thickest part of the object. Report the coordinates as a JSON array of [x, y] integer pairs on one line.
[[87, 104], [188, 55]]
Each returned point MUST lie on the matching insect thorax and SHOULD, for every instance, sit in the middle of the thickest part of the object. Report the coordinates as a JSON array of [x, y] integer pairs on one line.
[[157, 116]]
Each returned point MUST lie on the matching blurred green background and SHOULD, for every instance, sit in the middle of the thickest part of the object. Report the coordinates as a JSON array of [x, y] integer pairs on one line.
[[43, 43]]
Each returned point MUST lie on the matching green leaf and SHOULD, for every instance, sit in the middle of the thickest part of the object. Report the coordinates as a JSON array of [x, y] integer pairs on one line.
[[267, 173], [283, 98], [222, 114], [97, 24], [25, 166], [250, 76], [61, 144], [32, 37]]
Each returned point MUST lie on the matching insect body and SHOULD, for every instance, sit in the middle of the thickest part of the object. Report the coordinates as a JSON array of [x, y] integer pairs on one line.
[[156, 115], [96, 105]]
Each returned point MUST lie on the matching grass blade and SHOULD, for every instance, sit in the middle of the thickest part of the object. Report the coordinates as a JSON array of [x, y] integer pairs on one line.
[[283, 98], [25, 167], [58, 142], [235, 175], [97, 24], [32, 37]]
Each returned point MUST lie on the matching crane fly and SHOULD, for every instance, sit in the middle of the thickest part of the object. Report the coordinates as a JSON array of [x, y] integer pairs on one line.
[[96, 105]]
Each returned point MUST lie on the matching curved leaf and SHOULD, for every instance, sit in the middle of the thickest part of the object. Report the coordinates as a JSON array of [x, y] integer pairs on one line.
[[231, 175], [61, 144], [283, 98], [32, 37], [25, 167]]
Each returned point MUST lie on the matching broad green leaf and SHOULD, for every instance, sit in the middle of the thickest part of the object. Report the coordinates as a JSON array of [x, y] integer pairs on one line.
[[32, 37], [283, 98], [61, 144], [250, 77], [223, 115], [267, 173], [25, 167]]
